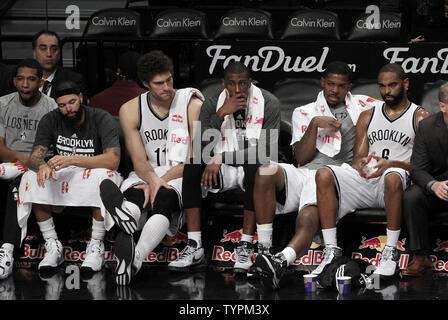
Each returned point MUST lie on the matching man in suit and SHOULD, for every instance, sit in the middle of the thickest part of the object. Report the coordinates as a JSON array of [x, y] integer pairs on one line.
[[429, 193], [46, 46]]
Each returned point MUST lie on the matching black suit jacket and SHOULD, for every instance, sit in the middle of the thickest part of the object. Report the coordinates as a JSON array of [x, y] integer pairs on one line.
[[429, 160], [67, 74]]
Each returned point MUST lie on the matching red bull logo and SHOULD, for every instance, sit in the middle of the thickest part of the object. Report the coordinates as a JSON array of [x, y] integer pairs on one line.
[[379, 242], [235, 236], [441, 246], [64, 187], [258, 120], [304, 128], [322, 109], [2, 170], [86, 174], [110, 173], [176, 139], [254, 100], [27, 186], [303, 112], [362, 103], [371, 99], [336, 137], [177, 118], [179, 237]]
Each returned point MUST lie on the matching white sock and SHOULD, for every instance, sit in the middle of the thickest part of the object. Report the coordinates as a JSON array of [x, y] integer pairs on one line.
[[153, 232], [392, 237], [196, 236], [247, 237], [264, 232], [330, 236], [98, 230], [8, 247], [48, 229], [290, 255]]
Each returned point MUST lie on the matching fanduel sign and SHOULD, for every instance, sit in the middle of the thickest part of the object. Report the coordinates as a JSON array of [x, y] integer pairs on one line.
[[437, 64], [267, 59]]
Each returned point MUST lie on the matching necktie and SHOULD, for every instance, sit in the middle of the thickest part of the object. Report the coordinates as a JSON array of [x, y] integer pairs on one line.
[[46, 86]]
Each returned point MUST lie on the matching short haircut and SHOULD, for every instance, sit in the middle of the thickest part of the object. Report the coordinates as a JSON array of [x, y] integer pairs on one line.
[[47, 32], [443, 93], [153, 63], [338, 67], [66, 87], [236, 67], [32, 64], [395, 68], [128, 64]]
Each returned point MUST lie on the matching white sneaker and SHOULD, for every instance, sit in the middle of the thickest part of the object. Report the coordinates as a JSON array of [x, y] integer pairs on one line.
[[330, 252], [125, 213], [94, 260], [387, 266], [190, 256], [244, 255], [6, 263], [53, 255]]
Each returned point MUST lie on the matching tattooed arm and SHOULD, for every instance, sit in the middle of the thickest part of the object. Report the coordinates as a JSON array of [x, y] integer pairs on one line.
[[37, 163], [110, 159]]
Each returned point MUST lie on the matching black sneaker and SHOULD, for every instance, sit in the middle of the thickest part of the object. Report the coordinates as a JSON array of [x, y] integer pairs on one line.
[[271, 268], [124, 213], [124, 253]]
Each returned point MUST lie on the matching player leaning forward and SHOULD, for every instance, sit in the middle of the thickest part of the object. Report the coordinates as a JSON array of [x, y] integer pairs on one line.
[[157, 127], [86, 150]]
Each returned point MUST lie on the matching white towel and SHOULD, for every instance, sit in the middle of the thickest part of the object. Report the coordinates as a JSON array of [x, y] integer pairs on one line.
[[11, 170], [74, 187], [254, 121], [328, 142], [178, 140]]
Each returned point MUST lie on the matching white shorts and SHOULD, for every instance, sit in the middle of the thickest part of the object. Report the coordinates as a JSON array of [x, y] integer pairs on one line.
[[177, 218], [134, 180], [356, 192], [230, 177], [300, 188]]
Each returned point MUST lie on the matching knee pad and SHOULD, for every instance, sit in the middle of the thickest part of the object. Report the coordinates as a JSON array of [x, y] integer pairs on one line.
[[191, 185]]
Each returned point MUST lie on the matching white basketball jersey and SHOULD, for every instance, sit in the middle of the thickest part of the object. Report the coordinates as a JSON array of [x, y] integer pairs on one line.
[[154, 131], [392, 139]]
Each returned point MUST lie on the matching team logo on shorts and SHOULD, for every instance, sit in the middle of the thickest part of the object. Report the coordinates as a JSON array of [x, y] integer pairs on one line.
[[64, 187], [86, 174]]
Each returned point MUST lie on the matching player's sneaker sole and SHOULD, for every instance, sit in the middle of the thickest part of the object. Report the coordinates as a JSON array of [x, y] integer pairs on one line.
[[124, 253], [113, 199]]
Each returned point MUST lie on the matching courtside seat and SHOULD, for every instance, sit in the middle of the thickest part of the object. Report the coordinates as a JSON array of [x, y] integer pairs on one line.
[[368, 87], [245, 24], [180, 23], [312, 25], [115, 23], [294, 93], [210, 87], [430, 99], [387, 28]]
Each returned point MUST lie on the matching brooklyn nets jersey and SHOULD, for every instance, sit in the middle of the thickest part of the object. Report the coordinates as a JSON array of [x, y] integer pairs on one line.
[[392, 139], [153, 131]]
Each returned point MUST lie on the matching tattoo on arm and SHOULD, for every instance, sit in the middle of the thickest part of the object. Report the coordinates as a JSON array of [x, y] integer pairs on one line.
[[37, 157], [115, 150]]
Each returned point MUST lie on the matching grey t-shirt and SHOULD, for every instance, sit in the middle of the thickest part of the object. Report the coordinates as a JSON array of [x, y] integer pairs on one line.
[[348, 133], [18, 123]]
